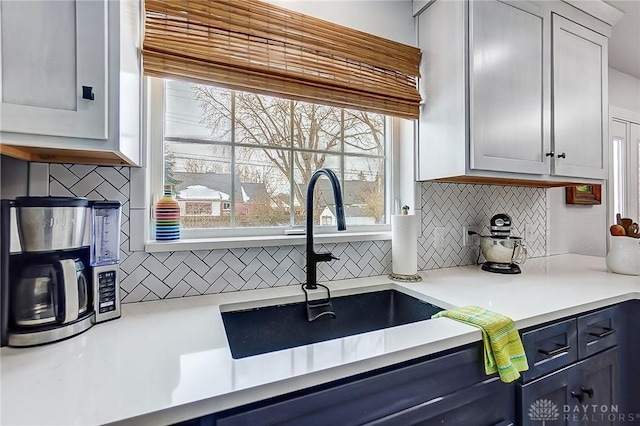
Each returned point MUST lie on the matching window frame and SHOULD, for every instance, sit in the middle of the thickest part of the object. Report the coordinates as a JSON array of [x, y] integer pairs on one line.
[[262, 236], [630, 150]]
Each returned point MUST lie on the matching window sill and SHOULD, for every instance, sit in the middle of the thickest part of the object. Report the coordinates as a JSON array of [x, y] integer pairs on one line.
[[267, 241]]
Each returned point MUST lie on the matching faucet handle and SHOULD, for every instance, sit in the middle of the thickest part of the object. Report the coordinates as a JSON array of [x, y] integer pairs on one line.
[[325, 257]]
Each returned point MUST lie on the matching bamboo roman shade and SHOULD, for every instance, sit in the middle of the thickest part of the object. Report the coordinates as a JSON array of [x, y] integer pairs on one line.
[[258, 47]]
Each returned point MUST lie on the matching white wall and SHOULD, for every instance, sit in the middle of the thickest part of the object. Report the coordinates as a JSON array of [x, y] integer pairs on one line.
[[574, 228], [391, 19], [584, 229], [624, 91]]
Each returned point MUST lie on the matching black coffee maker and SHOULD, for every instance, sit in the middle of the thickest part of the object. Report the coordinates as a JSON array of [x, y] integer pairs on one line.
[[53, 272]]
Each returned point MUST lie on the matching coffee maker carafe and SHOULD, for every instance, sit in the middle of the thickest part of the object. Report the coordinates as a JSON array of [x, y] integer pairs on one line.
[[62, 277], [53, 293]]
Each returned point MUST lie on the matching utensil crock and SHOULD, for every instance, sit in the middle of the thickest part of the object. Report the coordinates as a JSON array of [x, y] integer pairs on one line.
[[624, 256]]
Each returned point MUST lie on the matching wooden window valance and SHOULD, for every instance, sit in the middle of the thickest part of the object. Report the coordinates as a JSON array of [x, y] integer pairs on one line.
[[258, 47]]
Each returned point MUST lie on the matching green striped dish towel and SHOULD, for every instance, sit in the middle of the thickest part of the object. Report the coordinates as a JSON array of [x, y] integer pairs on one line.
[[503, 350]]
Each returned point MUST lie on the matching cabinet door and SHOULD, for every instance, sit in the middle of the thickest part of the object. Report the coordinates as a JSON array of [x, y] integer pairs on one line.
[[545, 399], [485, 404], [599, 386], [442, 127], [580, 101], [509, 86], [378, 396], [50, 51]]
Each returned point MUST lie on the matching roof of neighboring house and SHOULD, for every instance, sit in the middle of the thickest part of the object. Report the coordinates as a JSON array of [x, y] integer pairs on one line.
[[257, 192], [216, 181], [353, 191], [201, 193], [350, 211]]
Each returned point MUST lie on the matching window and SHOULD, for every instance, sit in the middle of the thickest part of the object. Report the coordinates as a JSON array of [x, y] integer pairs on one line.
[[240, 160], [327, 220], [619, 175], [625, 167], [251, 154]]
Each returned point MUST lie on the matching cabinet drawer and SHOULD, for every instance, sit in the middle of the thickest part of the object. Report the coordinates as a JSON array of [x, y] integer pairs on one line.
[[367, 399], [549, 348], [598, 331], [463, 407]]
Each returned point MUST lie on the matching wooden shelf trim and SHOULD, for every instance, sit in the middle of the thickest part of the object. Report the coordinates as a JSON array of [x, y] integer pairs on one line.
[[53, 155], [481, 180]]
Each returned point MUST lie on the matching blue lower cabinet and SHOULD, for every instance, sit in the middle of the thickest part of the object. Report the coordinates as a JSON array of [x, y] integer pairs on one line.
[[448, 389], [629, 357], [584, 393], [550, 347], [599, 330], [544, 399], [599, 386], [489, 403]]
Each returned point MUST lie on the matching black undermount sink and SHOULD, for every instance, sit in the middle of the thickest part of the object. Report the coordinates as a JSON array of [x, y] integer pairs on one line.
[[272, 328]]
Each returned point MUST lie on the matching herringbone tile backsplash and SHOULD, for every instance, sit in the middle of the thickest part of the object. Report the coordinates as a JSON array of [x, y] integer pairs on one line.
[[452, 206], [151, 276]]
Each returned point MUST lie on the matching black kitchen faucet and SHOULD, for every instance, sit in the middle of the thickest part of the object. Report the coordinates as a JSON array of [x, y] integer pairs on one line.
[[314, 258], [320, 308]]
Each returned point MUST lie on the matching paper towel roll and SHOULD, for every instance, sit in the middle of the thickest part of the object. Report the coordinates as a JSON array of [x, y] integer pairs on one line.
[[404, 244]]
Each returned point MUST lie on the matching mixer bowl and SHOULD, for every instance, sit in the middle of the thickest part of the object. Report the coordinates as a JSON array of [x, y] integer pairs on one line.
[[503, 249], [51, 223]]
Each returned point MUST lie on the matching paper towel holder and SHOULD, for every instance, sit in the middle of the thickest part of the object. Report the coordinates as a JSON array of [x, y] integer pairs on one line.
[[399, 277]]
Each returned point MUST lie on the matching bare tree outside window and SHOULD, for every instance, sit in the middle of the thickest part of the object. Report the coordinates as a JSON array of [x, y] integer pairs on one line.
[[261, 151]]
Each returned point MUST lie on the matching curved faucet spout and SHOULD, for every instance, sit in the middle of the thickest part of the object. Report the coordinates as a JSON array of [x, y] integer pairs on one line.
[[337, 196], [312, 257]]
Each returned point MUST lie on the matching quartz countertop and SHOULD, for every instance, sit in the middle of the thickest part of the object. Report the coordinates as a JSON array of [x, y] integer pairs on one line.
[[169, 360]]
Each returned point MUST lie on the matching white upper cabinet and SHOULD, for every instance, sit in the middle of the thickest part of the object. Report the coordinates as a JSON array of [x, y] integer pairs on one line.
[[70, 83], [54, 68], [580, 101], [508, 87]]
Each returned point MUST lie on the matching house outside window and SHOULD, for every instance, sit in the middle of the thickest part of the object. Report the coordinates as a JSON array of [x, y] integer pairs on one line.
[[197, 208], [249, 158]]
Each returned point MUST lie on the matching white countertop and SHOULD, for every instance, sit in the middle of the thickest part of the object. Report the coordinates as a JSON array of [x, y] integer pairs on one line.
[[169, 360]]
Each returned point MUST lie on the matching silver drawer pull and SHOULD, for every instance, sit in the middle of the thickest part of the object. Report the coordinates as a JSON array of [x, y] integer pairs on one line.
[[555, 351], [605, 332]]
